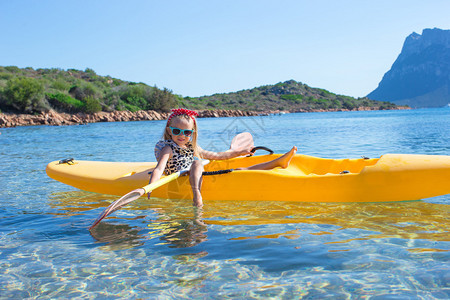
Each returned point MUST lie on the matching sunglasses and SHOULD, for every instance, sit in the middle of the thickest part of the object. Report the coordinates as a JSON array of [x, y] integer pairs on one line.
[[178, 131]]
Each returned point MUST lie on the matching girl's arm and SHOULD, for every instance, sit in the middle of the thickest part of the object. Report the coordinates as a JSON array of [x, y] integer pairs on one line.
[[223, 155], [166, 154]]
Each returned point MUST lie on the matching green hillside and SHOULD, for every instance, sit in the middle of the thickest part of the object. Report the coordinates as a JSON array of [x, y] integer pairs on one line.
[[290, 95], [32, 91], [28, 90]]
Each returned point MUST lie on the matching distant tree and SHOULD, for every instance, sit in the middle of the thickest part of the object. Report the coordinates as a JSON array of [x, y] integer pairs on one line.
[[92, 105], [136, 95], [137, 103], [365, 102], [25, 94], [162, 99], [336, 103], [84, 91], [347, 104], [90, 71], [12, 69]]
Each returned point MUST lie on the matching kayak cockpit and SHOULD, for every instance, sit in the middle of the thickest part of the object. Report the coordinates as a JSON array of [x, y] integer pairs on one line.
[[322, 166], [301, 165]]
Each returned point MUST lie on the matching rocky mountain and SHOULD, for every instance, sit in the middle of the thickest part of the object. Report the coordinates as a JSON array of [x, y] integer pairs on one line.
[[420, 77]]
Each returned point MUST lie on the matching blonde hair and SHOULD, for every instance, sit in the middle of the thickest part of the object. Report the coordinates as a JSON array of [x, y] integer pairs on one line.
[[193, 141]]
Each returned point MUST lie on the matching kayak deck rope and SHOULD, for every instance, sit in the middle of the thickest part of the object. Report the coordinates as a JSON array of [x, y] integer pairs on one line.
[[218, 172]]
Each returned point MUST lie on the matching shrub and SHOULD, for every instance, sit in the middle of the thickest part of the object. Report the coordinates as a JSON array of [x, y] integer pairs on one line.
[[137, 102], [324, 103], [136, 94], [336, 103], [25, 94], [131, 107], [92, 105], [348, 105], [386, 105], [13, 69], [162, 99], [293, 98], [83, 91], [90, 71], [60, 85], [112, 100], [116, 82], [65, 102], [6, 76], [325, 93]]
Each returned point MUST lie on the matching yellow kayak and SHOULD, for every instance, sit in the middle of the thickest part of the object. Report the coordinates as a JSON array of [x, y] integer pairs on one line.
[[392, 177]]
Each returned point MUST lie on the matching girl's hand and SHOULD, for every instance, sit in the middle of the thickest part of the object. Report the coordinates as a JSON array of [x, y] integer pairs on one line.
[[244, 152]]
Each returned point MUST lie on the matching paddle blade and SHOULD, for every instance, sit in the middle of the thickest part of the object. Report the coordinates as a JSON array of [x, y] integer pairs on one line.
[[242, 141], [124, 200], [135, 194]]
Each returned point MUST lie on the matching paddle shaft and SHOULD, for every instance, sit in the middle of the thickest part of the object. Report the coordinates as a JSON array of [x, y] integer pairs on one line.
[[166, 179], [163, 180]]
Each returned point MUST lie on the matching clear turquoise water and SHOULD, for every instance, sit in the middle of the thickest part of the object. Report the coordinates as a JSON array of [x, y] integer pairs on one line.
[[163, 249]]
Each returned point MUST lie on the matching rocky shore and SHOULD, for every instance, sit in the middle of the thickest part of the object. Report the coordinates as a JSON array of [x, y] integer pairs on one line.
[[57, 119]]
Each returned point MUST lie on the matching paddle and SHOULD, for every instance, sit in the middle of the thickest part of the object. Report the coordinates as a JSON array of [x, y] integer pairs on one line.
[[240, 142]]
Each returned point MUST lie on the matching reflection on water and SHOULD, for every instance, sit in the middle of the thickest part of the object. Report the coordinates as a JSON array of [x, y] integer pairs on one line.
[[75, 202], [180, 233], [179, 225], [178, 228], [117, 236], [407, 220], [176, 233]]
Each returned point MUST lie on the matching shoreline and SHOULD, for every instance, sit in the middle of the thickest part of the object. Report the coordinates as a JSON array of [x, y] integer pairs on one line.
[[53, 118]]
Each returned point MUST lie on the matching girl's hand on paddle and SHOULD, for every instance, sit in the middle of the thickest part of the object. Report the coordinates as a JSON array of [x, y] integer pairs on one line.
[[244, 152]]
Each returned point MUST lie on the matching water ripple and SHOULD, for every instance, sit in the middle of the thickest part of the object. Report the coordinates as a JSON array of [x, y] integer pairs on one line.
[[165, 249]]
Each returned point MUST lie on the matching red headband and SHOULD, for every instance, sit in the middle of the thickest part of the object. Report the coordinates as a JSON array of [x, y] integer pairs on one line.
[[182, 111]]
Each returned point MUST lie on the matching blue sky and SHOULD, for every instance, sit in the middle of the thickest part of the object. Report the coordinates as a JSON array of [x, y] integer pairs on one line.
[[200, 48]]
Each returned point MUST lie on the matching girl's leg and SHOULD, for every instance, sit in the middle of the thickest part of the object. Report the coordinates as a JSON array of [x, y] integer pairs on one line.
[[195, 179], [282, 162]]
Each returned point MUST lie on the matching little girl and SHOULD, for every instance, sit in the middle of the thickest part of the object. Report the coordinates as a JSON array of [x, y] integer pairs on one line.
[[178, 150]]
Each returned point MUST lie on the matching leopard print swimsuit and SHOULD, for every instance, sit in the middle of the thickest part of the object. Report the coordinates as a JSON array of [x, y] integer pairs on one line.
[[182, 157]]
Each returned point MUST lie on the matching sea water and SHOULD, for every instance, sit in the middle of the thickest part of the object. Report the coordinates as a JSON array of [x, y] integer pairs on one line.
[[165, 249]]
